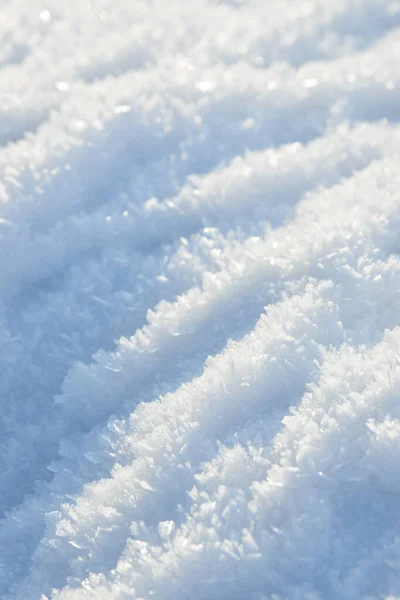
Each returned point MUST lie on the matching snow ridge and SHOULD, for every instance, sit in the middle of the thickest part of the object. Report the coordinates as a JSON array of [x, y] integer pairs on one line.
[[199, 300]]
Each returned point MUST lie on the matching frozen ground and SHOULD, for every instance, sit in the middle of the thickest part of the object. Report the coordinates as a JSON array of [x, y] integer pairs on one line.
[[200, 299]]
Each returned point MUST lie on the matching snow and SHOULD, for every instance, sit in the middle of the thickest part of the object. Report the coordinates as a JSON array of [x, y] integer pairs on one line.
[[199, 300]]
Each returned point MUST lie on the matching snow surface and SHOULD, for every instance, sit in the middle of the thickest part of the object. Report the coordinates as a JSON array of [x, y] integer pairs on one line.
[[200, 299]]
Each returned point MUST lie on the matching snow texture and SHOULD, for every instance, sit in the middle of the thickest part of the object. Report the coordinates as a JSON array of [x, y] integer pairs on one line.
[[200, 300]]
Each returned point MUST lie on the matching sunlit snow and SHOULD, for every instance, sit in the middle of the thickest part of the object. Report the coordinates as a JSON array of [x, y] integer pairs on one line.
[[200, 299]]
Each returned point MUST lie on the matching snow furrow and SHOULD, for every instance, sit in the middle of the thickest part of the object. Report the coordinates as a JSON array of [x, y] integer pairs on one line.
[[251, 116], [120, 307], [310, 245], [272, 529], [199, 299], [364, 287]]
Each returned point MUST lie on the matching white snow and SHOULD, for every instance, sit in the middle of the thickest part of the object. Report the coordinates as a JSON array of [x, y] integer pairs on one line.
[[200, 300]]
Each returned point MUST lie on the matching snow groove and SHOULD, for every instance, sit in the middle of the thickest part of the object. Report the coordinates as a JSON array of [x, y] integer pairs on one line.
[[199, 299]]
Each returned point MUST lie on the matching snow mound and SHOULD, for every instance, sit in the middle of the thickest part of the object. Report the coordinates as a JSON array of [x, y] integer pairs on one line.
[[199, 300]]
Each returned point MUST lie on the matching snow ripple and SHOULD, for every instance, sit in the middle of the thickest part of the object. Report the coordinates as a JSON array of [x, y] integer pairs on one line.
[[199, 300]]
